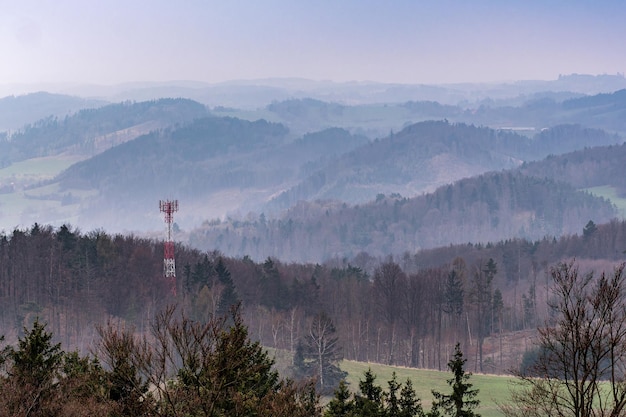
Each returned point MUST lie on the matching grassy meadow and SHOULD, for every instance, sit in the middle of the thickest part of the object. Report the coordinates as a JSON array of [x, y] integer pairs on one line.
[[31, 196], [493, 389]]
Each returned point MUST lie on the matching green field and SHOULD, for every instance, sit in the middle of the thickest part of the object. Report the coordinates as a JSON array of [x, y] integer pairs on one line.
[[38, 168], [493, 389], [31, 202]]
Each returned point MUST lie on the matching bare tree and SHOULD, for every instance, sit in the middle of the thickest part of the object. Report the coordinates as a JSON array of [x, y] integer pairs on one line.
[[389, 289], [580, 370], [324, 352], [199, 368]]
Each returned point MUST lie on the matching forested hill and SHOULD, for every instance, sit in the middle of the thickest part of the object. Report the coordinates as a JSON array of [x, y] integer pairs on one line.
[[90, 131], [190, 160], [427, 155], [530, 112], [602, 111], [17, 111], [598, 166], [485, 208], [215, 164]]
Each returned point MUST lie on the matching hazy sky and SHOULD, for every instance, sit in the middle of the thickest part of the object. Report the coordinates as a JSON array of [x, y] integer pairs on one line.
[[438, 41]]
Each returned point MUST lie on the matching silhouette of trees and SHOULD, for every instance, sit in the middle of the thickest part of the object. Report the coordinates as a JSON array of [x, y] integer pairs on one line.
[[580, 356], [399, 400]]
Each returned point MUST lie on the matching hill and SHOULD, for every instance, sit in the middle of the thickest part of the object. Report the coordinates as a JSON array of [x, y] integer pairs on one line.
[[585, 168], [427, 155], [488, 207], [91, 131], [216, 164], [526, 113], [225, 166], [17, 111]]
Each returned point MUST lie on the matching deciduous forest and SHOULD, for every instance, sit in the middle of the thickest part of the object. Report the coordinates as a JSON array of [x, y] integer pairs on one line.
[[407, 310]]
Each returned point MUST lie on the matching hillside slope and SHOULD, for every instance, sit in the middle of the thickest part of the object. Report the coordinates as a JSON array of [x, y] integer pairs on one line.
[[91, 131], [430, 154], [488, 207]]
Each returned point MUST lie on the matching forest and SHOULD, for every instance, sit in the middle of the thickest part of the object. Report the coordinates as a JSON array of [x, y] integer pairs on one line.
[[406, 311]]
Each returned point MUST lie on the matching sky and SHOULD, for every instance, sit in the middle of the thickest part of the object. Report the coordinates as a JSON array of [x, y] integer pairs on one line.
[[417, 42]]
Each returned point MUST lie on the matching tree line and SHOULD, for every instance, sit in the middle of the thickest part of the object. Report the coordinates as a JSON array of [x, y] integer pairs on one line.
[[410, 310]]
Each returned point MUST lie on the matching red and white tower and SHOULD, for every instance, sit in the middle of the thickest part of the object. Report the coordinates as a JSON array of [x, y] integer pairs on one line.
[[169, 264]]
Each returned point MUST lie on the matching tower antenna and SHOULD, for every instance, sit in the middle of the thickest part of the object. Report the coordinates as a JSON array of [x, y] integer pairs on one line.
[[169, 207]]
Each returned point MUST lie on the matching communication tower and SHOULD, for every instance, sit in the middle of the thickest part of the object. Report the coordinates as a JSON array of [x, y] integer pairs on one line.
[[169, 264]]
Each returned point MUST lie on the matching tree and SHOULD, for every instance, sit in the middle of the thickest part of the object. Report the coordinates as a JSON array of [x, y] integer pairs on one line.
[[453, 298], [83, 388], [200, 368], [453, 293], [42, 380], [389, 288], [462, 401], [481, 297], [581, 352], [124, 357], [370, 402], [589, 229], [34, 372], [392, 402], [410, 405], [340, 405], [228, 297], [323, 353]]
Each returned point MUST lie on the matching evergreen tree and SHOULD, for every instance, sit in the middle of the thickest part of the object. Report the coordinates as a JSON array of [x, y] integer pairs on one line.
[[462, 401], [228, 297], [392, 402], [34, 372], [340, 405], [410, 405], [453, 294], [399, 401], [370, 402]]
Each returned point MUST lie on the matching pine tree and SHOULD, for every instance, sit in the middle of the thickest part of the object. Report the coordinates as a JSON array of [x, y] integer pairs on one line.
[[370, 402], [229, 297], [392, 402], [462, 401], [34, 372], [36, 361], [340, 405], [410, 405]]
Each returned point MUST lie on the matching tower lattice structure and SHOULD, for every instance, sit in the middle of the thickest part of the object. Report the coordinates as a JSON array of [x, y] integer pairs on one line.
[[169, 207]]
